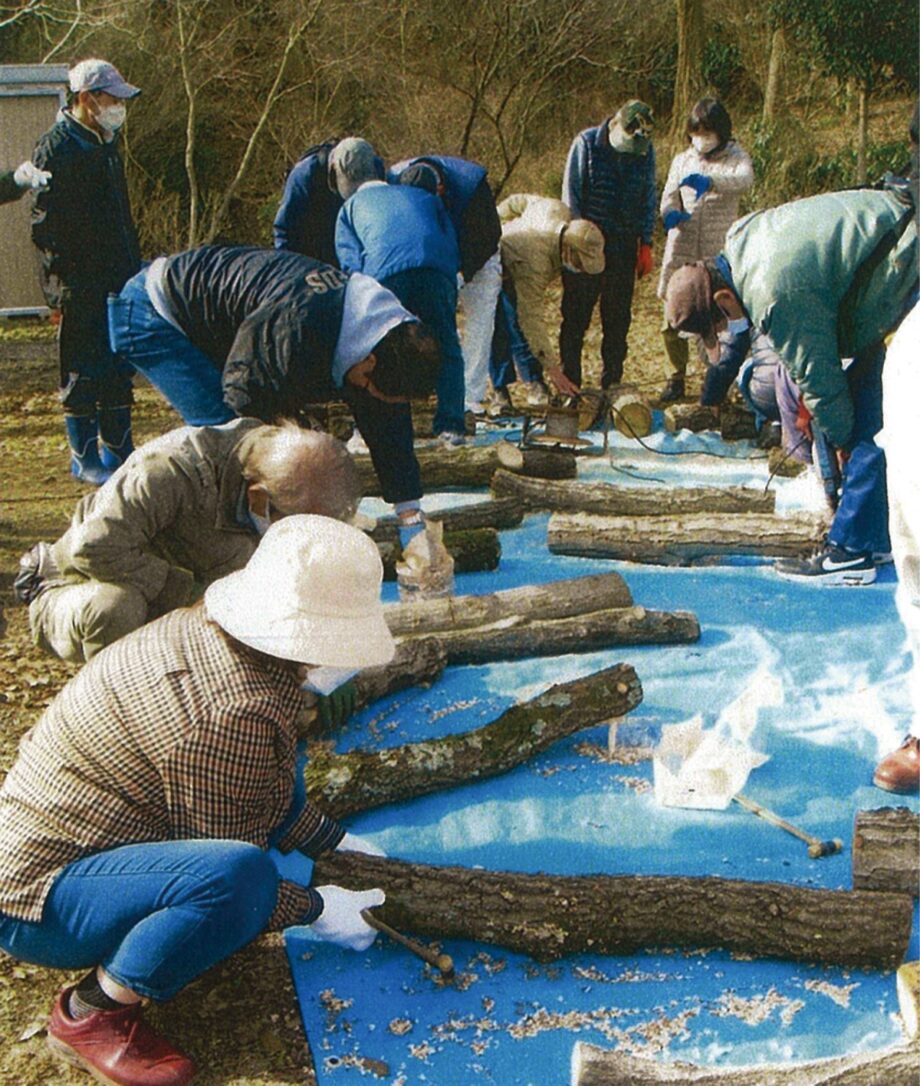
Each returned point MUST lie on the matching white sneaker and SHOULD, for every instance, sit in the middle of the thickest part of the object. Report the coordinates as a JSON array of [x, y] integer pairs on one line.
[[452, 439], [537, 394]]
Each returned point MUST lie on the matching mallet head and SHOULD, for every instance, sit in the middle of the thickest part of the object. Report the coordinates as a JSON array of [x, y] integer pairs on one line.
[[825, 848], [445, 965]]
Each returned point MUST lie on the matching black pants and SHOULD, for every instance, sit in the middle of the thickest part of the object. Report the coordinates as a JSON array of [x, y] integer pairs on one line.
[[92, 377], [614, 287]]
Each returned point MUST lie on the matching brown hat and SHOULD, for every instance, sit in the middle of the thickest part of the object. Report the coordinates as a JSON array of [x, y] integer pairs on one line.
[[586, 240], [688, 304]]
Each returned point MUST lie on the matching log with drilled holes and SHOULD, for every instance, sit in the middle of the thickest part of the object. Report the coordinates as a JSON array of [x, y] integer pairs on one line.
[[683, 539], [441, 468], [557, 599], [550, 916], [610, 500], [342, 784]]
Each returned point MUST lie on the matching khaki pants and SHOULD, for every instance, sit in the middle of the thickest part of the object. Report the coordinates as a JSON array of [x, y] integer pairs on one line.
[[75, 621]]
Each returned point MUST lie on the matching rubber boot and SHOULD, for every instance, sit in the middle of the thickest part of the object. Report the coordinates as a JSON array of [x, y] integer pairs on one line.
[[85, 465], [115, 444]]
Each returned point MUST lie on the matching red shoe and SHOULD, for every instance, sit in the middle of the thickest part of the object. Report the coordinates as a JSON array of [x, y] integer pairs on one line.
[[117, 1047], [900, 770]]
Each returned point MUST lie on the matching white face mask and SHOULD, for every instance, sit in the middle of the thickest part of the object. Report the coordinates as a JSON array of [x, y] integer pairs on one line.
[[323, 680], [111, 118], [736, 328], [705, 144]]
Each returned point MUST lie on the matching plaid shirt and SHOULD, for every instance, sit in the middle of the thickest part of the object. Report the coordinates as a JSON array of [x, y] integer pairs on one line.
[[172, 733]]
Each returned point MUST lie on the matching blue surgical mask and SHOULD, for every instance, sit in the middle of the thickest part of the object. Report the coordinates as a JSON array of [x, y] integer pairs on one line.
[[738, 327], [323, 680]]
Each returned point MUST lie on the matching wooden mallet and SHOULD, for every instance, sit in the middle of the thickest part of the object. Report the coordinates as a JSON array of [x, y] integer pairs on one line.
[[816, 847], [444, 963]]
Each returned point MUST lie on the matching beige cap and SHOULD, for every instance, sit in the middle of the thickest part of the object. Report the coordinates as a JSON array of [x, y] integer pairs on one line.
[[585, 239], [310, 593]]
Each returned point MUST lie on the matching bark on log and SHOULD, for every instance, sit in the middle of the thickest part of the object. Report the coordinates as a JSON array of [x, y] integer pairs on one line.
[[690, 416], [496, 513], [441, 468], [342, 784], [886, 847], [417, 663], [514, 640], [558, 599], [476, 550], [548, 463], [630, 501], [549, 916], [593, 1066], [736, 423], [681, 540]]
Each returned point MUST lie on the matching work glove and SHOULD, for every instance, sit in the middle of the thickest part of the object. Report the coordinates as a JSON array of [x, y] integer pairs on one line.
[[426, 568], [335, 709], [351, 842], [28, 176], [341, 922], [699, 182], [673, 218], [644, 260]]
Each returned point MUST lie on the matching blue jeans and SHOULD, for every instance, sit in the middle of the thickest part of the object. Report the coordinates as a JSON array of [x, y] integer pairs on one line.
[[861, 521], [510, 349], [432, 297], [155, 916], [187, 377]]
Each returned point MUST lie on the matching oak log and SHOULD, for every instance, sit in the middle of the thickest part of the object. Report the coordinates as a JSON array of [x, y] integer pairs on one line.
[[514, 639], [607, 499], [546, 463], [690, 416], [680, 540], [441, 468], [550, 916], [342, 784], [593, 1066], [474, 550], [557, 599], [886, 850], [498, 513]]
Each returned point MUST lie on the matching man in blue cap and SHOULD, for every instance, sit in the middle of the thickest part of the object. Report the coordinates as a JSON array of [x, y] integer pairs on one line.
[[83, 227]]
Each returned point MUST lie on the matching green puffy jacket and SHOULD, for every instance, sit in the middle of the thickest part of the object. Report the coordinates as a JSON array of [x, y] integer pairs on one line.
[[825, 278]]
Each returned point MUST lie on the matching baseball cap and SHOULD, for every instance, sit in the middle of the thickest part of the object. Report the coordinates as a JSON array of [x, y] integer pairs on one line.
[[94, 74]]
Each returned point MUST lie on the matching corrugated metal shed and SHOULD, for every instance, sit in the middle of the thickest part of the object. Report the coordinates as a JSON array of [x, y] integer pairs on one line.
[[30, 97]]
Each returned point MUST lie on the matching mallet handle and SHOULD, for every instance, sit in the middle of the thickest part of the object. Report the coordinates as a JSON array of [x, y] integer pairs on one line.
[[442, 962], [816, 847]]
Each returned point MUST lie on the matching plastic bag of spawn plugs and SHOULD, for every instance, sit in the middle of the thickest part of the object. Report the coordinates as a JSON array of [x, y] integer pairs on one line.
[[426, 568], [704, 769]]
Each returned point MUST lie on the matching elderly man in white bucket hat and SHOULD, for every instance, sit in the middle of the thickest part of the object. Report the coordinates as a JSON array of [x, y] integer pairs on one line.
[[166, 770]]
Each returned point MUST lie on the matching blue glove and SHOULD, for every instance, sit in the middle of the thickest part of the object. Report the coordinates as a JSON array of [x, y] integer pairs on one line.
[[674, 218], [699, 182]]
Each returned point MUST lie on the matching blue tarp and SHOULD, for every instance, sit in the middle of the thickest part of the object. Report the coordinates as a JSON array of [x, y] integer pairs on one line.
[[508, 1020]]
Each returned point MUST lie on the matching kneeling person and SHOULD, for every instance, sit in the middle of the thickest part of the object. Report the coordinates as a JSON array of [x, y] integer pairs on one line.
[[166, 770], [184, 510]]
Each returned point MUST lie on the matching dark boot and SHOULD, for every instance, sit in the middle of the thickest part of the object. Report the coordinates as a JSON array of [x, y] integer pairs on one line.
[[85, 465], [115, 436], [673, 390]]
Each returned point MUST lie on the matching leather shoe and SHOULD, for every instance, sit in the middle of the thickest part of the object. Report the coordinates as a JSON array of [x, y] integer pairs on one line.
[[900, 770], [116, 1047]]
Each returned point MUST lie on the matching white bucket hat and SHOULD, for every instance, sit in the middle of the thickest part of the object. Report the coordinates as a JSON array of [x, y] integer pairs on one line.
[[310, 593]]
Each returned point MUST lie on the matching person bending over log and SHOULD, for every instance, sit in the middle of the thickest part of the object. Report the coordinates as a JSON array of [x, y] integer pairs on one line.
[[136, 821]]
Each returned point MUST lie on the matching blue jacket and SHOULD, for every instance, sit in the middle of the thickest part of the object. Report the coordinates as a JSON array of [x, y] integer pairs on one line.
[[612, 189], [270, 321], [470, 204], [384, 229], [305, 220]]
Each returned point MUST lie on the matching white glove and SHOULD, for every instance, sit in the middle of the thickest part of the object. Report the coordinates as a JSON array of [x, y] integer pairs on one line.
[[341, 921], [29, 176], [351, 842]]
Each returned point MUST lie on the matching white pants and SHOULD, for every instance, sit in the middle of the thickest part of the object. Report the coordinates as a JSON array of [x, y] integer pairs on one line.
[[901, 412], [478, 299]]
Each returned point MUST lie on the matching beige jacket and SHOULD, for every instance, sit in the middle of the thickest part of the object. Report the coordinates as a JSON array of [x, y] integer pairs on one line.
[[530, 247], [703, 235], [172, 519]]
